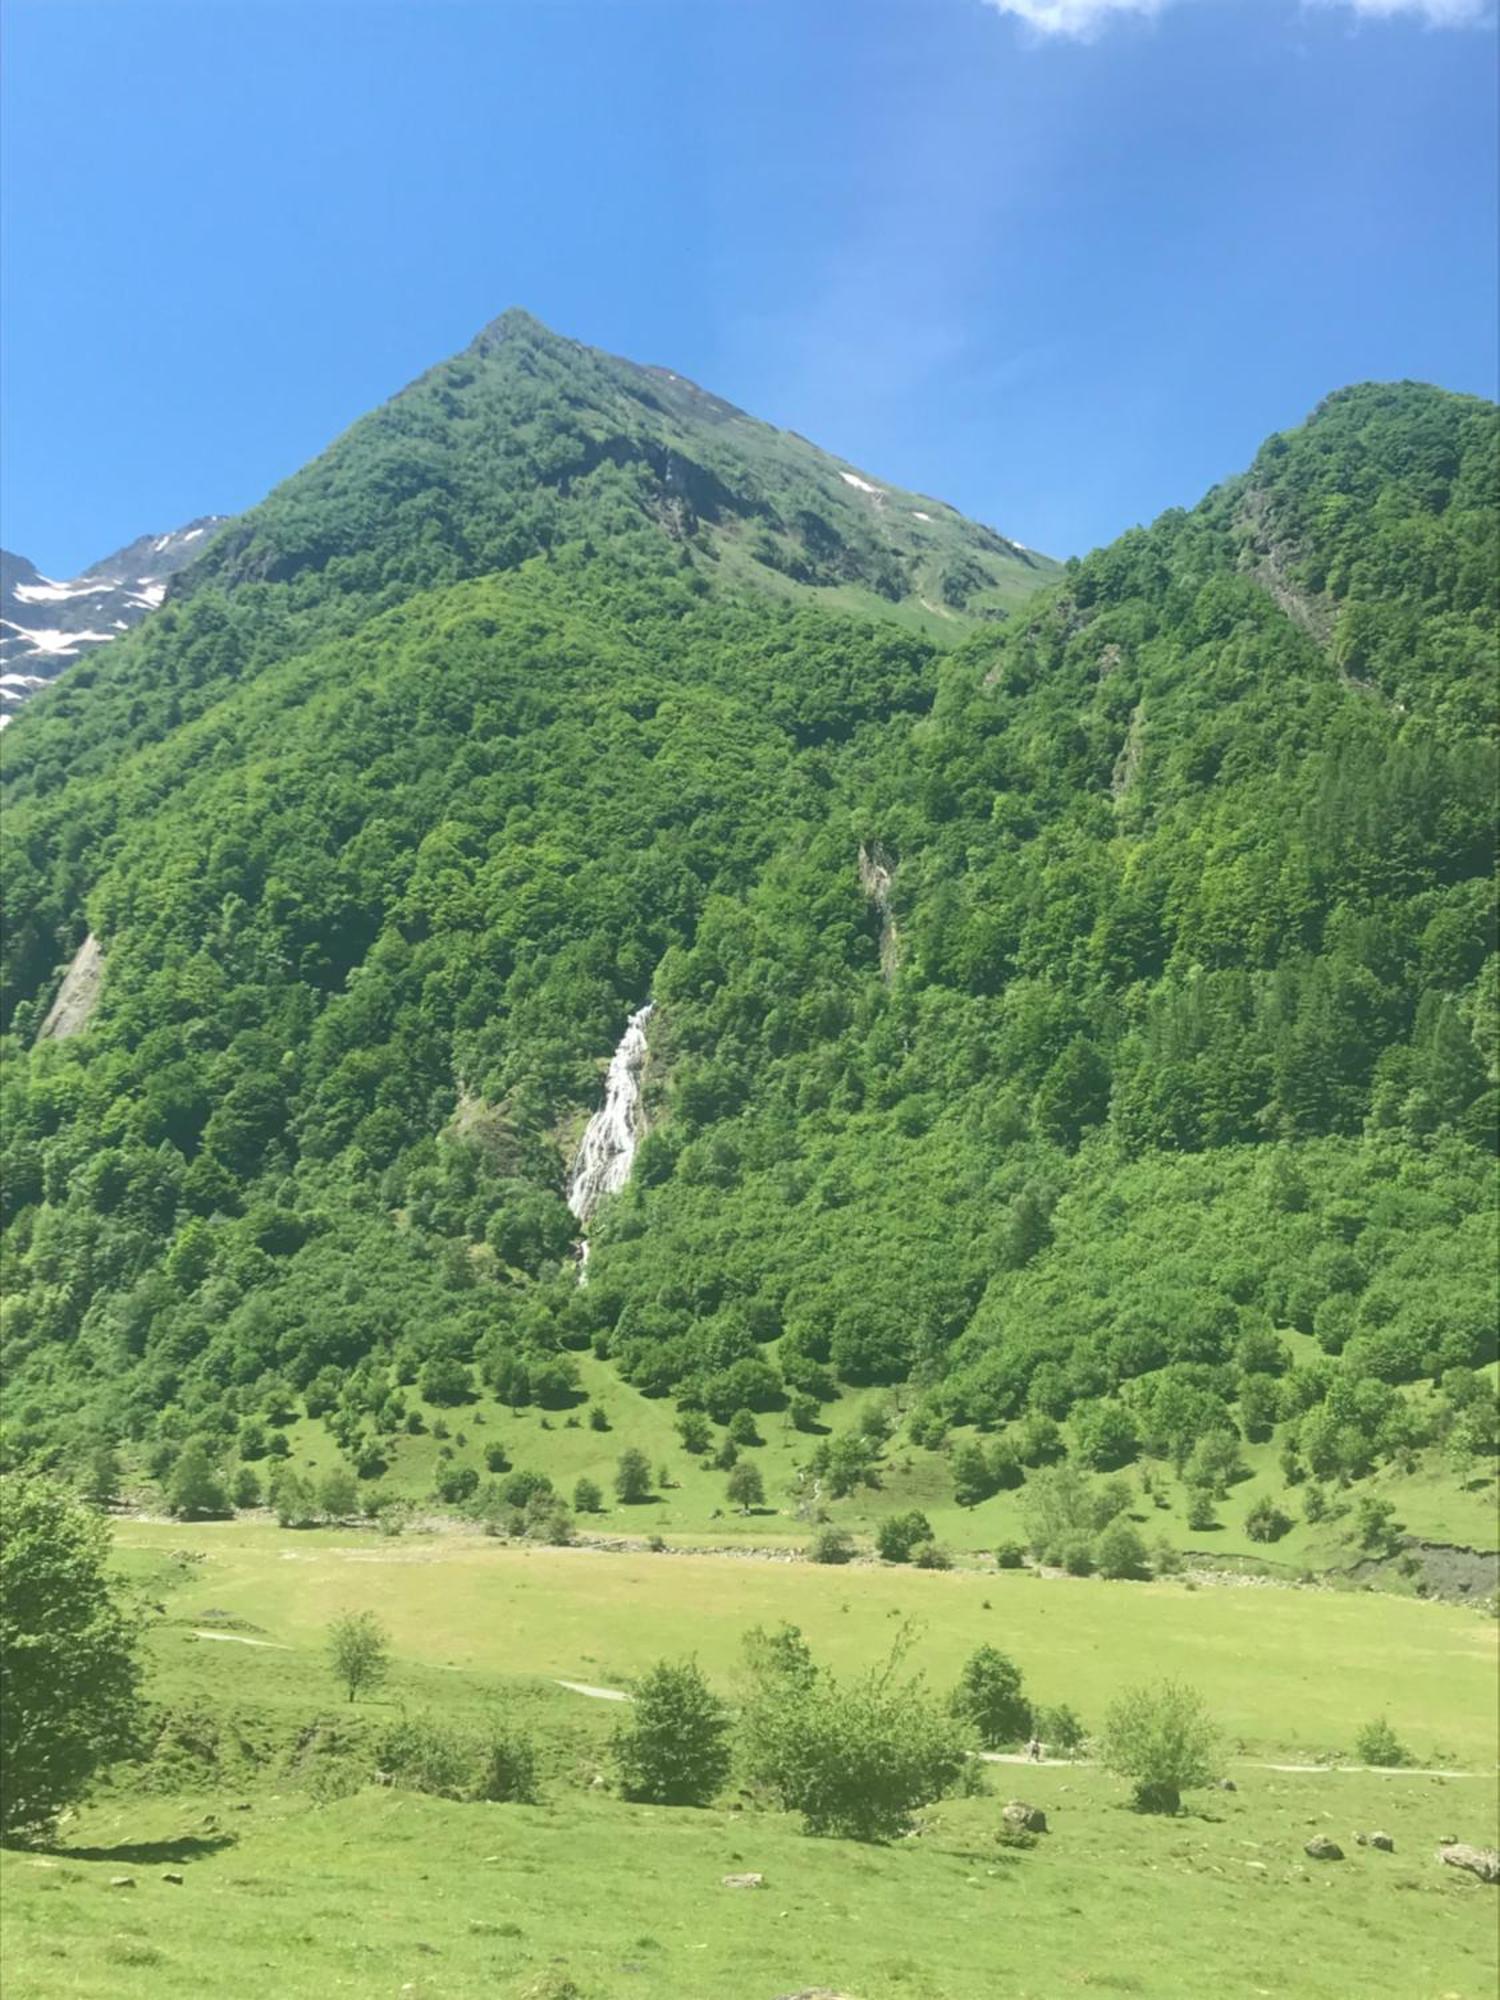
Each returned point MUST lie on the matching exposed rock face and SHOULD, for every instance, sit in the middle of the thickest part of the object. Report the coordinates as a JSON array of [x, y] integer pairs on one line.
[[78, 995], [46, 625]]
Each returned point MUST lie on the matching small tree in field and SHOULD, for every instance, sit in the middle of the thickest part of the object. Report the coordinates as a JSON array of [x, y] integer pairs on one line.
[[1377, 1743], [745, 1487], [674, 1748], [1163, 1739], [68, 1669], [633, 1477], [587, 1499], [359, 1650], [195, 1488], [989, 1697]]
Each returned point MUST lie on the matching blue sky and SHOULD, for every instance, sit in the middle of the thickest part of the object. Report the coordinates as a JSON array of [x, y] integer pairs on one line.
[[1061, 262]]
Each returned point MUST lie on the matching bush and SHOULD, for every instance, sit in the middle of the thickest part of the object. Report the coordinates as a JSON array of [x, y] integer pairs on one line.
[[69, 1676], [633, 1477], [496, 1458], [696, 1432], [931, 1555], [587, 1498], [1377, 1743], [742, 1428], [246, 1489], [855, 1758], [456, 1484], [989, 1698], [338, 1495], [424, 1755], [598, 1417], [1161, 1738], [1061, 1730], [899, 1534], [1201, 1514], [196, 1489], [1266, 1522], [1011, 1555], [1121, 1552], [673, 1749], [745, 1488], [1078, 1557], [508, 1771], [830, 1545]]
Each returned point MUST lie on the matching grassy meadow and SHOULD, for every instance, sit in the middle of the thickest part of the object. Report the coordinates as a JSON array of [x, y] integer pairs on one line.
[[302, 1877]]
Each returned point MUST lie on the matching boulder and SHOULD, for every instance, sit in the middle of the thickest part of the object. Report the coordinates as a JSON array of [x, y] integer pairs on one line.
[[122, 1881], [1481, 1861], [1321, 1848], [744, 1881], [1381, 1840], [1024, 1818], [171, 1875], [1228, 1785]]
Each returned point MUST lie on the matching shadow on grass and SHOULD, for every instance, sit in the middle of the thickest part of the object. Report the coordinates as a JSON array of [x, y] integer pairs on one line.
[[146, 1853]]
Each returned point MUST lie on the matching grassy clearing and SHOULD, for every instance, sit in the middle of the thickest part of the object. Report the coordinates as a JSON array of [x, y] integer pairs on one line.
[[383, 1893], [1289, 1673]]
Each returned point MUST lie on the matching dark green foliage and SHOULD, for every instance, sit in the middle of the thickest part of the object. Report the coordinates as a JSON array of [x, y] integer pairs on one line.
[[1055, 1052], [1121, 1552], [989, 1698], [587, 1498], [633, 1477], [900, 1535], [1377, 1743], [1266, 1522], [673, 1749], [830, 1545], [744, 1487], [69, 1675], [196, 1487], [508, 1774], [359, 1652]]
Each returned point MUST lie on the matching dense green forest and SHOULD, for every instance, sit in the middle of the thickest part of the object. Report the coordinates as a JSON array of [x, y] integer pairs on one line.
[[1065, 1003]]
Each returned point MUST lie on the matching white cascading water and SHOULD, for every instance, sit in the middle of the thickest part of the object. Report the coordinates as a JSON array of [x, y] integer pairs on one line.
[[601, 1166]]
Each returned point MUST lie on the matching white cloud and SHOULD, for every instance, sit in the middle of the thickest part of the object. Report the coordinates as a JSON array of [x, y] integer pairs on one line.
[[1082, 18]]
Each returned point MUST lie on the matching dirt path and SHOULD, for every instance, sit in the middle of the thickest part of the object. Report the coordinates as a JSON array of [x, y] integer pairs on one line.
[[594, 1693], [239, 1639], [1244, 1764]]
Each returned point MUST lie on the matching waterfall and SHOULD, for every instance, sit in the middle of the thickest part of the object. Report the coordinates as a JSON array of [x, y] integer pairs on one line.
[[601, 1166]]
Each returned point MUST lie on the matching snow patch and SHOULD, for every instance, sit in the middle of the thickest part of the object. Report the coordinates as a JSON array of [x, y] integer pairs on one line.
[[864, 486], [48, 592], [148, 593], [918, 515]]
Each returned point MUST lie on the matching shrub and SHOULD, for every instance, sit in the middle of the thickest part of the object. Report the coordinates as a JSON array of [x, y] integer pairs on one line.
[[196, 1488], [1162, 1739], [972, 1479], [855, 1758], [1377, 1743], [424, 1755], [508, 1771], [1201, 1515], [68, 1666], [338, 1495], [673, 1749], [931, 1555], [1266, 1522], [587, 1498], [633, 1477], [1120, 1552], [831, 1545], [899, 1534], [695, 1431], [1010, 1555], [359, 1651], [1061, 1730], [989, 1698], [246, 1489], [1078, 1557], [742, 1428], [496, 1458], [598, 1417], [456, 1483]]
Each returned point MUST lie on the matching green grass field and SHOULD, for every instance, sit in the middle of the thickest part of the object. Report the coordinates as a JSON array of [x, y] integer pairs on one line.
[[302, 1878]]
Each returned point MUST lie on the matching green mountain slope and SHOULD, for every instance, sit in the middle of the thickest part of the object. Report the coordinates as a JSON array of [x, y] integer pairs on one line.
[[1066, 1025]]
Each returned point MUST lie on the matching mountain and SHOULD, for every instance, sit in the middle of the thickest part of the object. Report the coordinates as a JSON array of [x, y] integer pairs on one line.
[[46, 625], [1085, 1029]]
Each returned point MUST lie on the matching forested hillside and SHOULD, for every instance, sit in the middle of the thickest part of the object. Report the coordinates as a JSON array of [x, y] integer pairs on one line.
[[1067, 1024]]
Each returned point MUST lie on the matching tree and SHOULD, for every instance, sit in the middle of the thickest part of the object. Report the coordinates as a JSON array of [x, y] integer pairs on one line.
[[291, 1499], [509, 1771], [101, 1482], [673, 1749], [854, 1757], [359, 1651], [587, 1498], [696, 1432], [246, 1491], [972, 1479], [745, 1487], [989, 1698], [1061, 1730], [1266, 1522], [831, 1545], [899, 1534], [1121, 1552], [633, 1477], [742, 1428], [69, 1674], [1162, 1738], [338, 1495], [196, 1488]]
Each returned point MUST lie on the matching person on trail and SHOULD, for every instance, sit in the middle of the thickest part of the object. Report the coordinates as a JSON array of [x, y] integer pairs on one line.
[[1034, 1750]]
